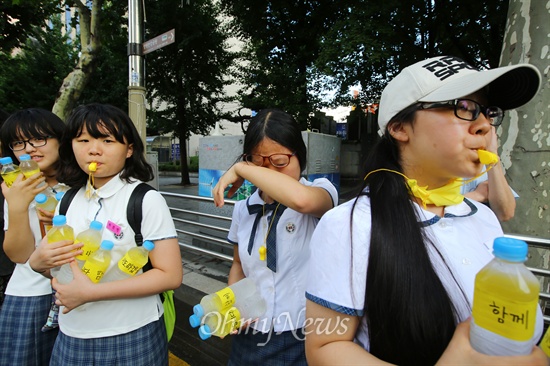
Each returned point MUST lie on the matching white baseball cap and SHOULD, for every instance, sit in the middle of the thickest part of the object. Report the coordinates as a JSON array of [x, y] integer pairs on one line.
[[445, 78]]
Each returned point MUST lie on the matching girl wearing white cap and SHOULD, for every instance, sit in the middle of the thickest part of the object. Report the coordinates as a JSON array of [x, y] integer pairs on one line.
[[392, 271]]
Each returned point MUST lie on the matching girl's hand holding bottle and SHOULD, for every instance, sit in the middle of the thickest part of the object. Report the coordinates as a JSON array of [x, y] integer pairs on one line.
[[460, 352], [77, 292], [23, 190], [47, 256]]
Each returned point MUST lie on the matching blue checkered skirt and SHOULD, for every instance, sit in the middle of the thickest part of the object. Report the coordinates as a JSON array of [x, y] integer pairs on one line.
[[266, 349], [21, 340], [146, 346]]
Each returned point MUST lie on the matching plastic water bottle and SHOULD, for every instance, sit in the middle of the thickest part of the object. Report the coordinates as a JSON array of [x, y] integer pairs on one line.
[[505, 302], [226, 297], [9, 171], [97, 263], [229, 320], [59, 231], [28, 166], [91, 240], [47, 203], [129, 265]]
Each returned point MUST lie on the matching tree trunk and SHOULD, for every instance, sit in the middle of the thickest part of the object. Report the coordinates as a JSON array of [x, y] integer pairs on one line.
[[182, 126], [525, 132], [76, 81]]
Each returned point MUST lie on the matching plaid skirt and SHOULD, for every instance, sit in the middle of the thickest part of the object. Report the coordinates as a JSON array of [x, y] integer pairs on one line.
[[277, 349], [21, 340], [146, 346]]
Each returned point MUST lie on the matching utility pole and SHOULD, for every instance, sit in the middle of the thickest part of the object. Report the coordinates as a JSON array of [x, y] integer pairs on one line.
[[136, 68]]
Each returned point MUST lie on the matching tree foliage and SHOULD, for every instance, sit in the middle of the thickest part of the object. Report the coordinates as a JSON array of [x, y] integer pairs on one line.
[[186, 80], [31, 76]]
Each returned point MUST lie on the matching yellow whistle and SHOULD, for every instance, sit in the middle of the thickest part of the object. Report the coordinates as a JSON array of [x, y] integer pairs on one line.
[[487, 157], [92, 167], [262, 252]]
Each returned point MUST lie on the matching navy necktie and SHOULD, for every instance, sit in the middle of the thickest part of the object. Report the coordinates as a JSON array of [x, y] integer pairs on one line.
[[271, 241]]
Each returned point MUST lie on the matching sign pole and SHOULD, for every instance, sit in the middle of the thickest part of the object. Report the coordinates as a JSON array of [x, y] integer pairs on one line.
[[136, 67]]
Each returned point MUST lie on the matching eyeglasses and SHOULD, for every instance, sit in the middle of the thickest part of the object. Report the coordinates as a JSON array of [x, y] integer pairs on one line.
[[34, 142], [277, 160], [469, 110]]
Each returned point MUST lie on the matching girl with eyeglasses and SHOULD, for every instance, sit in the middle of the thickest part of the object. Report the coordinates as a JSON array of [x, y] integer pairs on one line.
[[35, 132], [271, 233], [391, 275]]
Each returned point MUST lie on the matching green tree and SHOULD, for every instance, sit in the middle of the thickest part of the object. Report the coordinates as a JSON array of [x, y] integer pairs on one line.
[[282, 41], [31, 76], [19, 17], [186, 80]]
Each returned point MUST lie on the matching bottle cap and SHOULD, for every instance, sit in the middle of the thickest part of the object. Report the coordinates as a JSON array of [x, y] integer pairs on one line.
[[149, 245], [198, 310], [59, 220], [59, 196], [40, 198], [204, 332], [512, 250], [96, 225], [6, 160], [107, 245], [24, 157], [194, 320]]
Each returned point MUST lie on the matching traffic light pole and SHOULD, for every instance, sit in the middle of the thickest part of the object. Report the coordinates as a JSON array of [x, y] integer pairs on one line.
[[136, 68]]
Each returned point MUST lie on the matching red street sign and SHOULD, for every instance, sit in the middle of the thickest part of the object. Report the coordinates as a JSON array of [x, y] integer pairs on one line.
[[159, 41]]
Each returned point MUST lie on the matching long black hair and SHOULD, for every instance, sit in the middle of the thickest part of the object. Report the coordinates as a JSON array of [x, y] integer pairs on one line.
[[410, 316], [30, 123], [280, 127], [98, 118]]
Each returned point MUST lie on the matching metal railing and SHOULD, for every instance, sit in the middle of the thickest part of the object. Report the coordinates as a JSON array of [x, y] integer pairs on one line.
[[201, 229]]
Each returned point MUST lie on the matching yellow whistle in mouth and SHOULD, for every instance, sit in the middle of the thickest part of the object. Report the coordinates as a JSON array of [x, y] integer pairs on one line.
[[92, 167], [487, 157]]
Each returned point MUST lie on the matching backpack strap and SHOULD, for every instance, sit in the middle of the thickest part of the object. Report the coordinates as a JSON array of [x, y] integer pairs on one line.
[[134, 210], [67, 199]]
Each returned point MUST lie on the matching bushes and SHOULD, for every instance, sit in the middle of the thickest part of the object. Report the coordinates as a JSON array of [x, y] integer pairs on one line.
[[171, 167]]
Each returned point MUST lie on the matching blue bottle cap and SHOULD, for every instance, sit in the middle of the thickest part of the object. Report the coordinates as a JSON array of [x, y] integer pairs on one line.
[[204, 332], [198, 310], [40, 198], [96, 225], [6, 160], [59, 196], [512, 250], [149, 245], [24, 157], [59, 220], [194, 320], [107, 245]]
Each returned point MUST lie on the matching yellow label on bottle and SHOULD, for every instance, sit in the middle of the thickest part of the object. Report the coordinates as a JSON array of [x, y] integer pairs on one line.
[[87, 249], [545, 343], [232, 320], [227, 297], [127, 265], [94, 271], [511, 319]]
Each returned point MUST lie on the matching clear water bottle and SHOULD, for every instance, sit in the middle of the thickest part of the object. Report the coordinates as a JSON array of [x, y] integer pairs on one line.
[[91, 240], [98, 262], [9, 171], [129, 265], [226, 297], [506, 297], [229, 320], [59, 231], [28, 166], [46, 202]]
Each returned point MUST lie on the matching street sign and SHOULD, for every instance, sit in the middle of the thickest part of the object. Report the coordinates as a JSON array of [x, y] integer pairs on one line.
[[159, 41]]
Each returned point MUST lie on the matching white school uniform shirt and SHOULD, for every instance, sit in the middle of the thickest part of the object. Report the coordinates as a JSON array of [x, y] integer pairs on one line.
[[24, 281], [464, 236], [112, 317], [283, 290]]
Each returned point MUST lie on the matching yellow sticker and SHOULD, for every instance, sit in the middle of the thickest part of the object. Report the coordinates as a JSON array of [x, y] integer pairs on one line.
[[227, 297], [93, 271], [511, 319]]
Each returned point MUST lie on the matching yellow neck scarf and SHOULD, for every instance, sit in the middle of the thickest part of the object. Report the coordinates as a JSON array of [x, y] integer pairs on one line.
[[449, 194]]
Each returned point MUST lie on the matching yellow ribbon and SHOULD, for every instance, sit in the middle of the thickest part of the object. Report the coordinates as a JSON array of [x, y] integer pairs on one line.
[[449, 194]]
